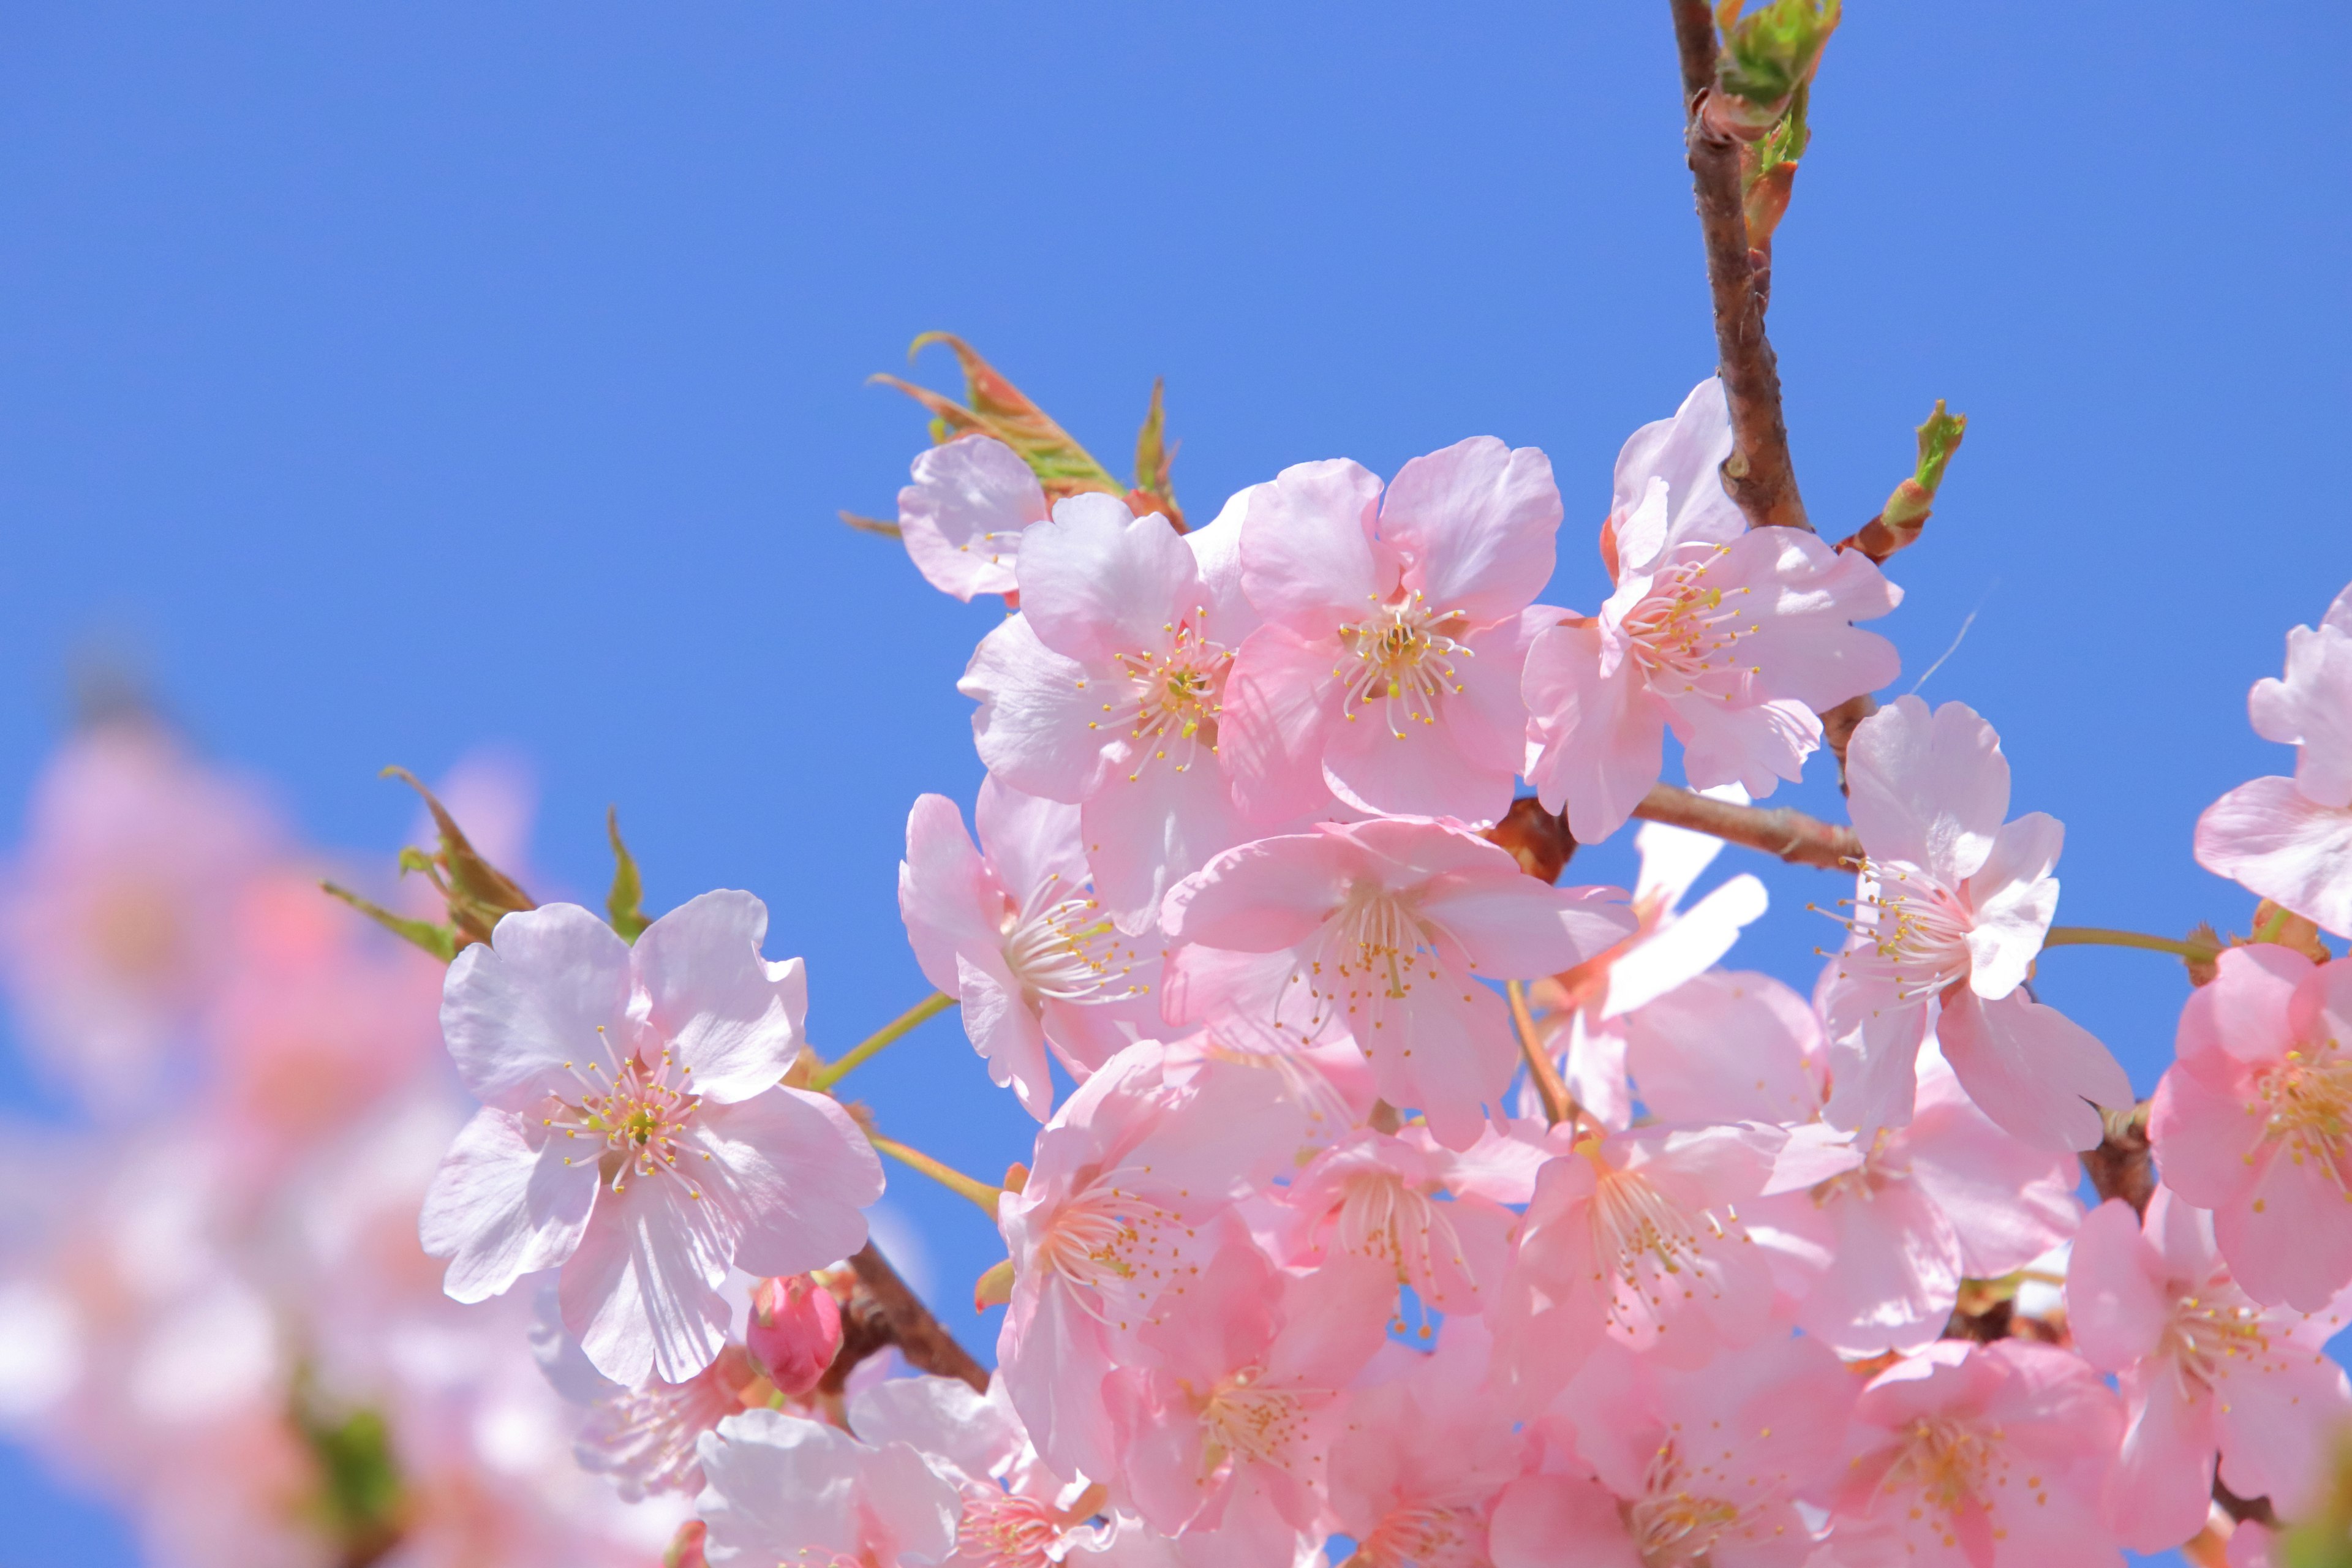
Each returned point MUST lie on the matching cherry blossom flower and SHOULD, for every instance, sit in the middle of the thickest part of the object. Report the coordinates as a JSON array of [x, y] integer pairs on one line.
[[1733, 638], [114, 919], [1120, 1209], [1949, 911], [1014, 931], [963, 517], [1016, 1513], [1681, 1467], [2290, 840], [1383, 1197], [1416, 1467], [1225, 1438], [1387, 670], [1380, 931], [2203, 1368], [785, 1489], [1591, 1004], [1637, 1235], [2253, 1120], [1970, 1456], [1108, 690], [634, 1132]]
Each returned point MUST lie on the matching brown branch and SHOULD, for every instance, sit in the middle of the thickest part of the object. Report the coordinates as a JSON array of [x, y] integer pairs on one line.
[[2121, 1166], [1795, 838], [2245, 1510], [886, 1313], [1759, 474]]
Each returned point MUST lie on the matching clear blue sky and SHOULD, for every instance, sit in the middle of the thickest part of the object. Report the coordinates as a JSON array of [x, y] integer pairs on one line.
[[405, 379]]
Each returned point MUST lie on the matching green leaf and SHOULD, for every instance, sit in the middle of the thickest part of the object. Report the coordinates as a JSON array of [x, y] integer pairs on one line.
[[440, 941], [993, 406], [1774, 50], [478, 894], [1939, 437], [622, 903], [1153, 456], [361, 1500]]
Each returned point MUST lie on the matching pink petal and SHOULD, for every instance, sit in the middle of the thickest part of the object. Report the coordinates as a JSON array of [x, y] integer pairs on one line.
[[964, 516], [946, 895], [2206, 1143], [1282, 699], [516, 1011], [2036, 1072], [2245, 1013], [1515, 927], [1874, 1067], [1461, 765], [1598, 744], [1309, 557], [1725, 1046], [1693, 944], [1097, 581], [2009, 1202], [1927, 788], [1006, 1034], [1558, 1521], [2312, 708], [1268, 894], [726, 1014], [2015, 898], [639, 1293], [1686, 453], [2162, 1485], [786, 1173], [1893, 1277], [1147, 833], [2272, 840], [2280, 1425], [2289, 1239], [1030, 841], [1754, 747], [505, 1203], [1805, 647], [1036, 728], [1476, 523], [2115, 1307]]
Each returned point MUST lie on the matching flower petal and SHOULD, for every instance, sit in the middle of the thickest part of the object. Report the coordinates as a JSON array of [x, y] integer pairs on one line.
[[725, 1012], [504, 1203], [518, 1011]]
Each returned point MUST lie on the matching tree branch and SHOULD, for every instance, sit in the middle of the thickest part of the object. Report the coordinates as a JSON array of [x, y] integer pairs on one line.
[[2121, 1166], [883, 1312], [1759, 474], [1795, 838]]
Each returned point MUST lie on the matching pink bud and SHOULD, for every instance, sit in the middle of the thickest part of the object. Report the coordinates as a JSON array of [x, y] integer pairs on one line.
[[685, 1547], [795, 1330]]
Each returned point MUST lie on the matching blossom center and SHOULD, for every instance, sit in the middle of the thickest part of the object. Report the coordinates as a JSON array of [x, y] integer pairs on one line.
[[1254, 1423], [1421, 1537], [1382, 1215], [1374, 952], [641, 1114], [2206, 1336], [1404, 662], [1115, 1246], [2306, 1104], [1067, 950], [1687, 630], [1952, 1467], [1003, 1529], [1672, 1526], [1914, 925], [1175, 693], [1648, 1242]]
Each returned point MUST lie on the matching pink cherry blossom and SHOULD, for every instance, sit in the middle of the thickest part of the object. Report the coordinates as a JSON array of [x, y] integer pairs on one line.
[[1971, 1455], [2290, 840], [1225, 1437], [1383, 1197], [1733, 638], [645, 1438], [1420, 1459], [1121, 1205], [2203, 1368], [1637, 1235], [1014, 932], [1108, 690], [963, 517], [1016, 1513], [2253, 1120], [634, 1132], [1380, 931], [1591, 1005], [1387, 670], [1949, 911], [1692, 1466], [785, 1489], [114, 923]]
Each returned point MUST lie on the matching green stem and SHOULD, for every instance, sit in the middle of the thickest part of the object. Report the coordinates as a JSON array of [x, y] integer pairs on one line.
[[2100, 936], [955, 1180], [931, 1006]]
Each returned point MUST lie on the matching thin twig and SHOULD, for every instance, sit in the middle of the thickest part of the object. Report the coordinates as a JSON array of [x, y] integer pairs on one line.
[[1759, 474], [926, 1346], [1558, 1104], [1795, 838]]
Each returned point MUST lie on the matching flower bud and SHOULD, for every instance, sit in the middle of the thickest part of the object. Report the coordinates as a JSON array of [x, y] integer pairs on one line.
[[685, 1547], [795, 1330]]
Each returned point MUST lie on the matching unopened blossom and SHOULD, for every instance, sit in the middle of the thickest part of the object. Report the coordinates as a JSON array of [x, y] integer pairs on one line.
[[2290, 840], [1590, 1005], [963, 517], [634, 1132], [2202, 1368], [1949, 915], [782, 1490], [1637, 1235], [1421, 1458], [1387, 670], [1225, 1436], [795, 1331], [1383, 1197], [1012, 930], [1108, 690], [1968, 1456], [2253, 1120], [1733, 638], [1673, 1467], [1380, 931], [1122, 1205]]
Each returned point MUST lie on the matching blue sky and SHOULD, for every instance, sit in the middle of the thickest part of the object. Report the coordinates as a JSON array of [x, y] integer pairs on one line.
[[394, 382]]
